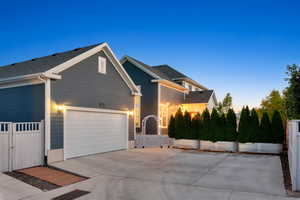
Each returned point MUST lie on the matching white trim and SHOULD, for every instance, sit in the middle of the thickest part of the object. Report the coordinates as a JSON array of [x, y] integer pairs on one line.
[[108, 52], [47, 116], [12, 85], [23, 77], [127, 131], [95, 110], [64, 134], [158, 108], [170, 84], [101, 65], [63, 66], [123, 60], [21, 80]]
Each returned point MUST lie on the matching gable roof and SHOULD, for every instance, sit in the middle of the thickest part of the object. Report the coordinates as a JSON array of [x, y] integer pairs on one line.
[[174, 75], [42, 64], [50, 66], [154, 72], [163, 72], [199, 96]]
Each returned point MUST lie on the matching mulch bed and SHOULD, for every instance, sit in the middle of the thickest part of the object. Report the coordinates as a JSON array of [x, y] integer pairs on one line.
[[38, 183], [286, 175], [71, 195]]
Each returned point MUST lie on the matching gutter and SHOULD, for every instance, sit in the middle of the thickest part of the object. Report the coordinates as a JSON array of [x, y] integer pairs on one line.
[[29, 77], [170, 84]]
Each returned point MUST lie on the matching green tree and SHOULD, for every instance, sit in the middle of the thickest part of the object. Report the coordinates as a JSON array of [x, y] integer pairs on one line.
[[254, 130], [266, 129], [274, 101], [231, 126], [244, 125], [179, 124], [222, 132], [196, 126], [226, 104], [277, 128], [204, 135], [292, 92], [171, 127], [214, 125], [187, 125]]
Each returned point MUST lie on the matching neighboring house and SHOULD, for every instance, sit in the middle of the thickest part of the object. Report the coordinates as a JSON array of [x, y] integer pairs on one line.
[[164, 90], [84, 96]]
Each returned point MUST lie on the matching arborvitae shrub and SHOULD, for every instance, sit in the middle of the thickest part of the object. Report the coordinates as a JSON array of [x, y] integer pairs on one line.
[[243, 135], [171, 127], [204, 135], [277, 128], [187, 126], [266, 129], [221, 134], [231, 126], [196, 126], [179, 124], [254, 131], [213, 125]]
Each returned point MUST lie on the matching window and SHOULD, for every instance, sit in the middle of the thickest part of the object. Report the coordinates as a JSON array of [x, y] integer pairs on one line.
[[101, 65], [190, 87], [137, 110], [163, 115]]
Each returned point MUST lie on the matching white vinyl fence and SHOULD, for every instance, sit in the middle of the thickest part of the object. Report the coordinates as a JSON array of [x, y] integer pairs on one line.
[[21, 145], [294, 152]]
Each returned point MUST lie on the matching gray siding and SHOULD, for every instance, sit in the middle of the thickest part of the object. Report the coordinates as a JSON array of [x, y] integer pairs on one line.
[[173, 98], [22, 104], [149, 92], [82, 86]]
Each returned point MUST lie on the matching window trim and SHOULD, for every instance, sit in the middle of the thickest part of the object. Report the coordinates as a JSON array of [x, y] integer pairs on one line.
[[102, 63]]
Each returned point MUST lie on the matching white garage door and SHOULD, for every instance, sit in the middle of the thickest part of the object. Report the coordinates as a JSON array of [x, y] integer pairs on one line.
[[90, 131]]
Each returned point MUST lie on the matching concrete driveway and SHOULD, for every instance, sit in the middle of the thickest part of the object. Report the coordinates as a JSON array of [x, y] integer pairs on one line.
[[175, 174]]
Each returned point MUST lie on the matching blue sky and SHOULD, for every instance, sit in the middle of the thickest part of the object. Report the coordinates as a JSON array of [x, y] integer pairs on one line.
[[241, 47]]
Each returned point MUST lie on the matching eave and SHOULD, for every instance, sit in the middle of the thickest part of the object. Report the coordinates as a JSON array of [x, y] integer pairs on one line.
[[170, 84]]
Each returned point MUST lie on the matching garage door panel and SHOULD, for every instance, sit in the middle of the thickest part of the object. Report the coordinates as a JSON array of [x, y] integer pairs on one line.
[[94, 132]]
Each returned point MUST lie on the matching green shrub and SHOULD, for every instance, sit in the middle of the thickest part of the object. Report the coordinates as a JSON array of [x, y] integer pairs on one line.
[[171, 127], [214, 127], [196, 126], [179, 124], [254, 130], [243, 135], [266, 129], [187, 126], [221, 128], [231, 126], [277, 128], [204, 132]]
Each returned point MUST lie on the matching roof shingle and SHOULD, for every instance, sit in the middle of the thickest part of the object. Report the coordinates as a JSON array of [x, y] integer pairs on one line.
[[199, 96], [42, 64]]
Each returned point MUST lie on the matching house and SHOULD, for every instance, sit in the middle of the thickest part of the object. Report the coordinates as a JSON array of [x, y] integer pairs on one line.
[[164, 90], [84, 96]]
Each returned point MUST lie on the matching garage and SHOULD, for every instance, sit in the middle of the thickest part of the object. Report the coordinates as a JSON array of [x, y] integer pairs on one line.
[[90, 131]]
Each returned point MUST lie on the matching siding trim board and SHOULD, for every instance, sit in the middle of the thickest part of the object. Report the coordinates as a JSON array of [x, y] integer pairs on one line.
[[47, 116]]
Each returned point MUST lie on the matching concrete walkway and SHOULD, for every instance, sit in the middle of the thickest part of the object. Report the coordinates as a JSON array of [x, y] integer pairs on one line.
[[174, 174], [11, 188]]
